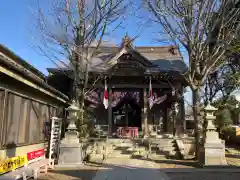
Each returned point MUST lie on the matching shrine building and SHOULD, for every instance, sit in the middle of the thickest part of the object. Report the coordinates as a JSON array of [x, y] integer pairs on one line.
[[128, 71]]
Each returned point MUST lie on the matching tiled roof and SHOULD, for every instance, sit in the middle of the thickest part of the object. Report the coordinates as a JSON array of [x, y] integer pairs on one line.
[[165, 58], [21, 62]]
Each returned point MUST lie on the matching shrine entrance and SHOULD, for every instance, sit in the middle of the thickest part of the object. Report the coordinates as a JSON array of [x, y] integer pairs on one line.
[[126, 109]]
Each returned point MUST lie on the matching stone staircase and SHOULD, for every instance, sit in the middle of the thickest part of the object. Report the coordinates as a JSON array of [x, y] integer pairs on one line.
[[165, 147], [130, 148], [125, 148]]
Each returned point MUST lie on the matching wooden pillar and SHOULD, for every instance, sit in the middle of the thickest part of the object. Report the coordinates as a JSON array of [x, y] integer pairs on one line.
[[145, 113], [182, 114], [126, 115], [109, 111], [182, 111], [175, 124], [165, 120]]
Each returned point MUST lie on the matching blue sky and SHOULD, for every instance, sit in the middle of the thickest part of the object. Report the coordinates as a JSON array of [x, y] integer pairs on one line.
[[15, 31]]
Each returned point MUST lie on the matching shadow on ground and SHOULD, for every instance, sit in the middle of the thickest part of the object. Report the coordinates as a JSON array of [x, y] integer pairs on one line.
[[105, 171], [82, 174], [185, 163]]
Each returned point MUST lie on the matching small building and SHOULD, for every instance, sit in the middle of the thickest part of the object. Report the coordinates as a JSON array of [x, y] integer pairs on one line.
[[26, 103], [127, 71]]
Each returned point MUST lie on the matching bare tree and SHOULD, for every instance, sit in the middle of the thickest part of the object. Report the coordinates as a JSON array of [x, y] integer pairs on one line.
[[205, 29], [225, 79], [70, 33]]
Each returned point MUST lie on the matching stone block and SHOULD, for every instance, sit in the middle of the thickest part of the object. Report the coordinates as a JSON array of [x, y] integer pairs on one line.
[[213, 155], [96, 158], [70, 155]]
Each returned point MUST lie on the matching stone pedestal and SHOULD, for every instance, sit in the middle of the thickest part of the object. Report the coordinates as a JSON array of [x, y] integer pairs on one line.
[[70, 152], [212, 150]]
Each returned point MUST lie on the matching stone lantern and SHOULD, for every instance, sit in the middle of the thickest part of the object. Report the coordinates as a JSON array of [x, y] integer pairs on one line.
[[72, 118], [210, 117], [236, 95], [71, 154], [212, 151]]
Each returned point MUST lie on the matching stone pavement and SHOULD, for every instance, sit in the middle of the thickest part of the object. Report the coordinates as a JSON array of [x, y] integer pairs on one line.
[[127, 168], [130, 169], [112, 169]]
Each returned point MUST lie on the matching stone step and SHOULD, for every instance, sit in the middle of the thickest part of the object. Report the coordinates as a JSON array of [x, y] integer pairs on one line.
[[165, 150], [118, 155], [96, 158], [157, 156], [164, 142], [169, 146], [124, 144], [119, 141]]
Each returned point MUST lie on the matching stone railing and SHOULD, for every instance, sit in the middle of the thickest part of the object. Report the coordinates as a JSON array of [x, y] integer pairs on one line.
[[186, 146]]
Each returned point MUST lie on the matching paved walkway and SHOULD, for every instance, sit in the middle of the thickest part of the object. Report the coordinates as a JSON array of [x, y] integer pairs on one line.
[[136, 169], [130, 169]]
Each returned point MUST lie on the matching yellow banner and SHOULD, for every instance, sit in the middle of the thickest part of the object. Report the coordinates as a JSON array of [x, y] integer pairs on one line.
[[13, 163]]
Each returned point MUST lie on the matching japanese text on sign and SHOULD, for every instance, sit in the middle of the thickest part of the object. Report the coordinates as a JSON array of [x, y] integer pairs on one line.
[[13, 163], [35, 154]]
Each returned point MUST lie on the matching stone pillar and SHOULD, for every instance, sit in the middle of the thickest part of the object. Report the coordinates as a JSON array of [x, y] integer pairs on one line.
[[145, 113], [70, 150], [110, 111], [212, 149]]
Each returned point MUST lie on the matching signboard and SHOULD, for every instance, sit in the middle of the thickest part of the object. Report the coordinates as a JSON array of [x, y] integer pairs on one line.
[[35, 154], [13, 163]]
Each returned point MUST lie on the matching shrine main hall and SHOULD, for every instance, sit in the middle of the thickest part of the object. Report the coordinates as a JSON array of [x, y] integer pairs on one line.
[[128, 71]]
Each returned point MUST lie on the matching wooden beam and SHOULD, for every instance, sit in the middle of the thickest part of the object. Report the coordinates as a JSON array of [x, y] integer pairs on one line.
[[131, 85], [28, 83]]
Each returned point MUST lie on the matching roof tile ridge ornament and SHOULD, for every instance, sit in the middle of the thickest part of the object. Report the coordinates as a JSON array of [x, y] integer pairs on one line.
[[127, 42], [172, 50]]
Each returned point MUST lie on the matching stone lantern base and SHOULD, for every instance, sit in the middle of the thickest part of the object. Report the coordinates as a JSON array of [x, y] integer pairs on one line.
[[213, 154], [70, 152]]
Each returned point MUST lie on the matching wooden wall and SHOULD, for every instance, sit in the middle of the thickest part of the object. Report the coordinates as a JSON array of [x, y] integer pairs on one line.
[[23, 113], [22, 119]]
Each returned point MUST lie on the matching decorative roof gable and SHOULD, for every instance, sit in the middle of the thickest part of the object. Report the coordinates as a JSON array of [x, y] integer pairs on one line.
[[126, 50]]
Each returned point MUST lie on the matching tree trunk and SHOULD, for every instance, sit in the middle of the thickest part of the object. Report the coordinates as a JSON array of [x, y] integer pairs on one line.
[[196, 113], [83, 128], [81, 112]]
